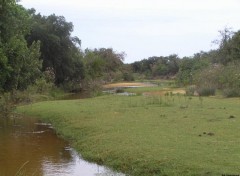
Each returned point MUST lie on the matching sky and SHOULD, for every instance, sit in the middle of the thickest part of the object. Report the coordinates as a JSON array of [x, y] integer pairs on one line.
[[145, 28]]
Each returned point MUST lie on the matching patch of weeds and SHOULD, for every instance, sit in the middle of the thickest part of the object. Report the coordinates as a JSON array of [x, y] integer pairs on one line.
[[190, 90], [231, 92], [163, 115], [169, 98], [231, 117], [208, 134], [158, 100], [187, 101]]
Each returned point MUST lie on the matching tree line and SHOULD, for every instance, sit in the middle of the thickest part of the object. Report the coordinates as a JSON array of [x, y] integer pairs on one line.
[[207, 71], [37, 49]]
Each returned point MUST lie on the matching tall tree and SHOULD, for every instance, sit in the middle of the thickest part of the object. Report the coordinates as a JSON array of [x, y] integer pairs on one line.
[[59, 50], [20, 64], [229, 47], [103, 63]]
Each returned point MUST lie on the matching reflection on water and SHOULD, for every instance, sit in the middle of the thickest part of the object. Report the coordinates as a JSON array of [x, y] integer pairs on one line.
[[28, 144]]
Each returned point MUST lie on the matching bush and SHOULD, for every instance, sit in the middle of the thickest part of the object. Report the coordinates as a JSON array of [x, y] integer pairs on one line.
[[71, 86], [225, 78], [206, 91], [128, 77], [231, 92], [42, 86]]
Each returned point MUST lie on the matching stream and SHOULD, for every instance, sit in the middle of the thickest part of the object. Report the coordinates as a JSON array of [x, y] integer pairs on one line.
[[30, 147]]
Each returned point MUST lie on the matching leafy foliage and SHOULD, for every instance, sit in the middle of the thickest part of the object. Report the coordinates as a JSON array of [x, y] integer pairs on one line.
[[35, 47], [188, 67], [59, 49], [20, 64], [157, 66], [23, 62], [103, 63]]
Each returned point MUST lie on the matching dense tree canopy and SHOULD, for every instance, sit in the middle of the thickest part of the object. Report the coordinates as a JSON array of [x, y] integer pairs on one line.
[[229, 49], [157, 66], [103, 63], [58, 49], [20, 64]]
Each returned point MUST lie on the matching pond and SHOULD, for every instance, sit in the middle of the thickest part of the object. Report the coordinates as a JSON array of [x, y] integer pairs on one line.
[[30, 147]]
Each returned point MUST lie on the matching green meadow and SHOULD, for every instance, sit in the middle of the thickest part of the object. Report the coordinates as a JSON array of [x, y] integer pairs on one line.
[[150, 135]]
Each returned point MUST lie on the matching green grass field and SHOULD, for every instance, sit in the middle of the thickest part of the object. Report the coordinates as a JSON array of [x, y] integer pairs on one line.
[[150, 135]]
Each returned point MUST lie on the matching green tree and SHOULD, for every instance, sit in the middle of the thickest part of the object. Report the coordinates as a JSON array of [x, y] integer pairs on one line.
[[23, 62], [59, 50], [19, 62], [103, 63], [235, 47], [14, 20], [229, 46], [189, 67], [157, 66], [5, 69], [224, 47]]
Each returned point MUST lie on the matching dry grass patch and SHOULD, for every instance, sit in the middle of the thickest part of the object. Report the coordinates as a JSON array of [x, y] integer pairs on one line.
[[165, 91], [128, 84]]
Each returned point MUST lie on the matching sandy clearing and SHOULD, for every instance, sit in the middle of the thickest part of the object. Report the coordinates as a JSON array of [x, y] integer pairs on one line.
[[128, 84]]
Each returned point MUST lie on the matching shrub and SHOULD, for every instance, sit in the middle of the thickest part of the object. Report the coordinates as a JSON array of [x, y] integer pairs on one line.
[[206, 91], [128, 77], [42, 86], [226, 78], [231, 92], [71, 86]]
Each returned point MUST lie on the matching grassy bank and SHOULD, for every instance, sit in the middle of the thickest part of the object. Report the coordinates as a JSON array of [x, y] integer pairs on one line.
[[150, 135]]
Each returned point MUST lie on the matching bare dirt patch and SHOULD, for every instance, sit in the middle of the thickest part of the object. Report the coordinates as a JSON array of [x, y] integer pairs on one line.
[[128, 84]]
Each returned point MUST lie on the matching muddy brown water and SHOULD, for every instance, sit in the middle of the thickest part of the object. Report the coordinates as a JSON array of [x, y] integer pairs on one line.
[[30, 147]]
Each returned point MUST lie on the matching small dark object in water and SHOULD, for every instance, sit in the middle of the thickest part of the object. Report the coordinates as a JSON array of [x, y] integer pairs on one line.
[[204, 133], [231, 117], [210, 134], [200, 135]]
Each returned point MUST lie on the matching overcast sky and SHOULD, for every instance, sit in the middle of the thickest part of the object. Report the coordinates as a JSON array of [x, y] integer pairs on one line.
[[144, 28]]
